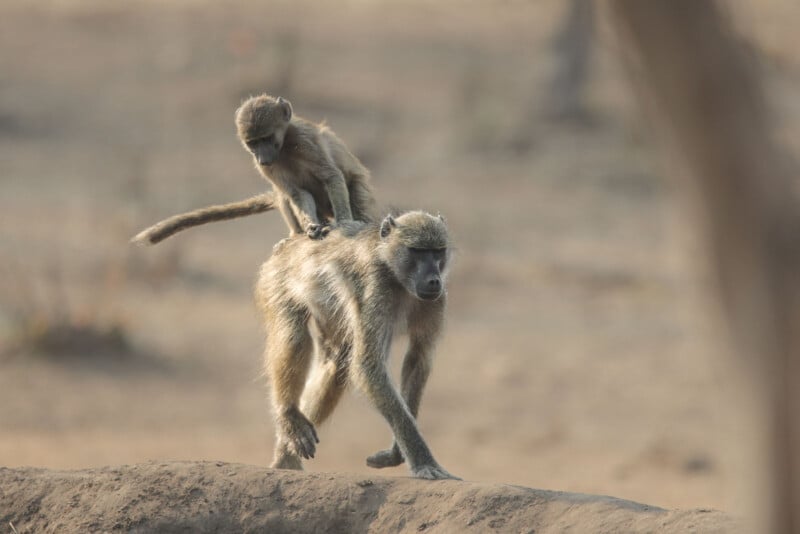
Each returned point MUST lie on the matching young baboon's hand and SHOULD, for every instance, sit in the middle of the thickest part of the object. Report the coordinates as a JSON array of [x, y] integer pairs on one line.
[[318, 231], [432, 472], [386, 458], [299, 434]]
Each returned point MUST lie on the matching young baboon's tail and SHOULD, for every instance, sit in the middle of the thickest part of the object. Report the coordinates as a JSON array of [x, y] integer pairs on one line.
[[223, 212]]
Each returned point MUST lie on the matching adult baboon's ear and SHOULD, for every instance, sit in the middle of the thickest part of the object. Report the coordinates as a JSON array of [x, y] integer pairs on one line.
[[286, 108], [387, 225]]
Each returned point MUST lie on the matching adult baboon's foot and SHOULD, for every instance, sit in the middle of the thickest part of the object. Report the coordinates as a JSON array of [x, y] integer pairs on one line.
[[386, 458], [298, 433], [432, 472], [286, 460]]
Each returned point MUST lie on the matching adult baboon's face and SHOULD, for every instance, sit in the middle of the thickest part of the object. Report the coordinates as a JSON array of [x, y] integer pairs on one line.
[[415, 246], [425, 270]]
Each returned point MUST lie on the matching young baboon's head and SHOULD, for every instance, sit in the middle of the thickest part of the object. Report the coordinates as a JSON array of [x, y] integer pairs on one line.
[[261, 123], [415, 245]]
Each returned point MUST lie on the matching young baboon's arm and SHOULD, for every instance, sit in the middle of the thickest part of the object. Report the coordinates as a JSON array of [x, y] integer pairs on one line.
[[336, 187], [162, 230], [305, 211], [285, 207]]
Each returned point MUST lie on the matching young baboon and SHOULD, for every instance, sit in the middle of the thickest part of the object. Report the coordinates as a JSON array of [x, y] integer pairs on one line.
[[316, 179], [314, 175], [350, 292]]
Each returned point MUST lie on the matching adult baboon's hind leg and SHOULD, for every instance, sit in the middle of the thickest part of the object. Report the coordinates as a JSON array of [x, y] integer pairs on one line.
[[327, 384], [288, 355]]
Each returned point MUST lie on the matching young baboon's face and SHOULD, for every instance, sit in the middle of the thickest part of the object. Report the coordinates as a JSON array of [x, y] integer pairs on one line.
[[261, 123], [415, 245]]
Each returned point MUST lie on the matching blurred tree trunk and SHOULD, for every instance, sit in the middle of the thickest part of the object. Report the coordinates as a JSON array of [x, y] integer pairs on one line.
[[572, 46], [707, 99]]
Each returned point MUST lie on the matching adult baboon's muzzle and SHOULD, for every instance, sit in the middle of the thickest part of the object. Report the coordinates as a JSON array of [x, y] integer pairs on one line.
[[430, 288]]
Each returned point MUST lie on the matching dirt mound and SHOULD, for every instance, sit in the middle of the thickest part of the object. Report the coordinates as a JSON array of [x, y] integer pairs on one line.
[[220, 497]]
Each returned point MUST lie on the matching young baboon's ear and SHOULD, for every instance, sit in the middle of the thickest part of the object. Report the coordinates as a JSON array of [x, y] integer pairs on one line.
[[286, 108], [387, 225], [441, 218]]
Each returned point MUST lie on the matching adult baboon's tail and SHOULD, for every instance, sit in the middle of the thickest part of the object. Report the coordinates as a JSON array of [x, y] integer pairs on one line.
[[223, 212]]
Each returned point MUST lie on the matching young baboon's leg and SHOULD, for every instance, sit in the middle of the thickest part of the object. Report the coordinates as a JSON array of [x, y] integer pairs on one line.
[[416, 369], [336, 187], [362, 199], [369, 372], [327, 384], [288, 355]]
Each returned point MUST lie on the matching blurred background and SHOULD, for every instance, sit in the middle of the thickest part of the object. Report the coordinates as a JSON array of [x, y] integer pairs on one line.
[[583, 349]]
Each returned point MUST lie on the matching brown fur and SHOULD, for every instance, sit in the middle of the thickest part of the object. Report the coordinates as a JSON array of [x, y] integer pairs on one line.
[[316, 179], [351, 292], [162, 230]]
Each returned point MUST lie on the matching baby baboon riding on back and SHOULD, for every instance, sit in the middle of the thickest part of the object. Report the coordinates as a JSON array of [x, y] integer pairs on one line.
[[316, 180], [354, 289]]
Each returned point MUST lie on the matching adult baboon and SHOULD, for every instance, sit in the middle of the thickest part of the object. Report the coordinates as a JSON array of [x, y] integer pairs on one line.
[[354, 289], [316, 179]]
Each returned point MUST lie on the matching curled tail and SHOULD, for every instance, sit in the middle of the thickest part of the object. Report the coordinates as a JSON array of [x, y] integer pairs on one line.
[[162, 230]]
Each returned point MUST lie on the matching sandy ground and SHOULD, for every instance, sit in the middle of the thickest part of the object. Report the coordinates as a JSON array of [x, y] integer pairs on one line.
[[583, 348], [209, 497]]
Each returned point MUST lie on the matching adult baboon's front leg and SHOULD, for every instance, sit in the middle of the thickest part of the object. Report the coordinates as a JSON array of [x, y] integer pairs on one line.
[[416, 369], [371, 375], [425, 324]]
